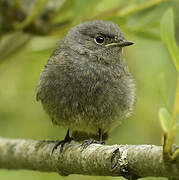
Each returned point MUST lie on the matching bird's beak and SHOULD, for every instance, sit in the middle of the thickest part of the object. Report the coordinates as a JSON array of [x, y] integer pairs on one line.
[[121, 44], [125, 43]]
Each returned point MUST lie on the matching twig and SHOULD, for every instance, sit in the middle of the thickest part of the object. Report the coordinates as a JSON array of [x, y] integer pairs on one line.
[[130, 161]]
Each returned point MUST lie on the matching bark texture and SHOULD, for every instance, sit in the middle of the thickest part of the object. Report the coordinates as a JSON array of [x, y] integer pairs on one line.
[[129, 161]]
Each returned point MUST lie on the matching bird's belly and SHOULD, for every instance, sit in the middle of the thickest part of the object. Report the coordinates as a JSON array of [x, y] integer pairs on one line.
[[88, 107], [87, 99]]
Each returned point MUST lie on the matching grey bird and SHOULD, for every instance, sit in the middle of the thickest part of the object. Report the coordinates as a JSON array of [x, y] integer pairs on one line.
[[85, 85]]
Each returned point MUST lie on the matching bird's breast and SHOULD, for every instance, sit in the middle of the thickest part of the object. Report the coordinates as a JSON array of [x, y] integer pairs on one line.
[[85, 92]]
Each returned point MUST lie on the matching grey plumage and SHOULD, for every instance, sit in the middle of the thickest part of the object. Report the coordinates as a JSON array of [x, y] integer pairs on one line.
[[84, 85]]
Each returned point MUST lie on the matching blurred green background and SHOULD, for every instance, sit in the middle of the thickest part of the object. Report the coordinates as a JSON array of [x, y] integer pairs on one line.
[[30, 31]]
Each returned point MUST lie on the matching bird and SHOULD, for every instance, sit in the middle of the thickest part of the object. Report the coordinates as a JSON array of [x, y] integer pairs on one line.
[[85, 85]]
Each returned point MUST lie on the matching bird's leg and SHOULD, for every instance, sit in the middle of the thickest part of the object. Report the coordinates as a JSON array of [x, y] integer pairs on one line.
[[67, 139], [100, 136], [87, 142]]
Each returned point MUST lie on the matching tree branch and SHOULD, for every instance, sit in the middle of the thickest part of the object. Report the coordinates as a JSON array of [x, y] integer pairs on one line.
[[130, 161]]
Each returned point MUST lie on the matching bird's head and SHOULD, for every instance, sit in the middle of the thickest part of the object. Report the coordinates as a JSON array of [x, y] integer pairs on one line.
[[99, 38]]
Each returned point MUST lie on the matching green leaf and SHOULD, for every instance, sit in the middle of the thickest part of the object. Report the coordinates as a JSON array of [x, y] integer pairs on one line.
[[165, 119], [168, 36], [39, 43], [163, 89], [10, 42]]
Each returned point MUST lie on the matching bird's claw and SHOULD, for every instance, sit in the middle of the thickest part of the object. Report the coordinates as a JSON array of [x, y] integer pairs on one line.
[[61, 144], [67, 139]]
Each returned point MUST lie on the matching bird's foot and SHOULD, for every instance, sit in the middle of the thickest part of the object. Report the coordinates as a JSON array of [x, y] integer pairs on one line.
[[61, 144], [87, 142], [67, 139]]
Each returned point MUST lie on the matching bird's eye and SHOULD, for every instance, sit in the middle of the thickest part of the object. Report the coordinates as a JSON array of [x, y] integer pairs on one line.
[[99, 39]]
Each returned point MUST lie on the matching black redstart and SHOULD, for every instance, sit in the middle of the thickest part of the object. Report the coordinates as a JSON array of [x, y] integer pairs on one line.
[[85, 85]]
